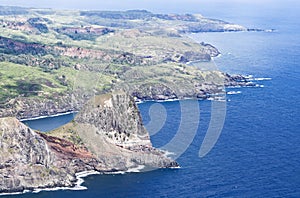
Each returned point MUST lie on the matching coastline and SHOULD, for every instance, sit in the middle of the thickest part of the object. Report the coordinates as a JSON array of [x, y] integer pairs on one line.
[[80, 180], [49, 116], [252, 83], [81, 177], [78, 185], [73, 158], [138, 101]]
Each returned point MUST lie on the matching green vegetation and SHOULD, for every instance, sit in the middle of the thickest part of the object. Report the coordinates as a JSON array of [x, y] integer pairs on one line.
[[27, 81], [19, 80], [68, 132], [49, 54]]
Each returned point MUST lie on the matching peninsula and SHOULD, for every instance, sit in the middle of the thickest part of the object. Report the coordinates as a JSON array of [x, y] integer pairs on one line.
[[97, 63]]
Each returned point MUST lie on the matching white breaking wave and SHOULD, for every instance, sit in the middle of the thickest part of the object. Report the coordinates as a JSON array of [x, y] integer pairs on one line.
[[261, 79], [136, 169], [78, 184], [233, 87], [168, 153], [233, 92], [259, 85], [177, 167], [50, 116], [15, 193], [139, 101], [168, 100], [131, 170]]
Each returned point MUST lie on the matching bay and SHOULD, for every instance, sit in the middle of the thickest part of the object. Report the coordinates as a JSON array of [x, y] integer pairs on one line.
[[257, 154]]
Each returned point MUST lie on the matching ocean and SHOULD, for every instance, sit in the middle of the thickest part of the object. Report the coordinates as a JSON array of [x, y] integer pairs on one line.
[[258, 151]]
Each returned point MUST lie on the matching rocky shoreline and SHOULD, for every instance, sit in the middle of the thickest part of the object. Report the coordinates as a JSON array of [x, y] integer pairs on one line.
[[24, 108], [60, 156], [106, 136], [233, 81]]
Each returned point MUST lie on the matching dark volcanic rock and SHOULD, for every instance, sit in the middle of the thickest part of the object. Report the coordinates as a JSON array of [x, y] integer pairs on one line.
[[238, 80]]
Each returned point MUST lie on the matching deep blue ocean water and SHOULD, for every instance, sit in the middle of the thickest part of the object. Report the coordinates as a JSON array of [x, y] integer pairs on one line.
[[258, 151]]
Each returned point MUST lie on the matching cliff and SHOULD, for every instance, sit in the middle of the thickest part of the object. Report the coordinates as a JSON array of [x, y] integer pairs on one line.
[[113, 119], [54, 61], [110, 126], [107, 135], [26, 162]]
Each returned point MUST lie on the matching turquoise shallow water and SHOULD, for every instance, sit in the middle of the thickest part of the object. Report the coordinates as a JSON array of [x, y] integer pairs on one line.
[[257, 154]]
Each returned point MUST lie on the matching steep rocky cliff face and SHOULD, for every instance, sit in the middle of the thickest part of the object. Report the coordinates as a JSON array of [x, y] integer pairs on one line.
[[26, 162], [110, 137], [111, 127], [23, 108], [116, 117]]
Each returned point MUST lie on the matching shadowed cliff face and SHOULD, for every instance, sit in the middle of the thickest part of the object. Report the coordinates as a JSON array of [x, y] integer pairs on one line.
[[115, 117], [111, 127], [109, 136], [26, 162]]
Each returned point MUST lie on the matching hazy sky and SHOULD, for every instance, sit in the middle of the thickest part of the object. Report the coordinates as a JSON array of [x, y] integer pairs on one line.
[[205, 7], [155, 5]]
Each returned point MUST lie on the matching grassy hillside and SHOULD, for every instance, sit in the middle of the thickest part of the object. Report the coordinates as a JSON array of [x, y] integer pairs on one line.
[[47, 54]]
